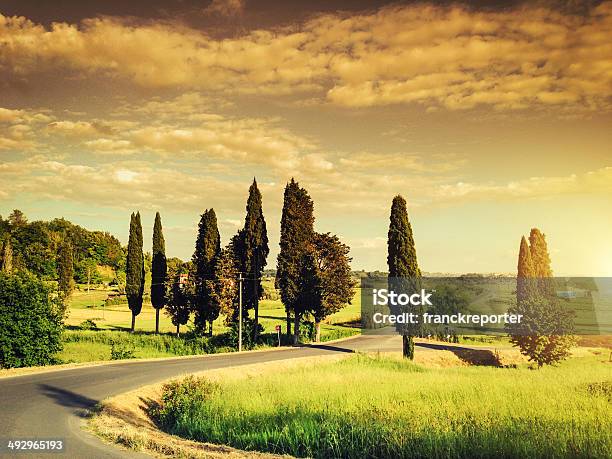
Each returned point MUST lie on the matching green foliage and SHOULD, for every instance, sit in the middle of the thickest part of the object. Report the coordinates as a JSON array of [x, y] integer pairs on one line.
[[401, 251], [525, 282], [88, 324], [251, 250], [333, 274], [134, 283], [208, 246], [394, 408], [544, 332], [295, 257], [36, 245], [159, 266], [86, 272], [402, 262], [30, 322], [159, 270], [223, 287], [191, 393], [163, 343], [7, 256], [121, 351], [248, 333], [541, 262], [179, 296], [66, 270]]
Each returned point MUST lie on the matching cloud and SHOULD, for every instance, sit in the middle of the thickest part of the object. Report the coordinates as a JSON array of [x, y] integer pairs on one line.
[[439, 57], [225, 8], [593, 182], [17, 128]]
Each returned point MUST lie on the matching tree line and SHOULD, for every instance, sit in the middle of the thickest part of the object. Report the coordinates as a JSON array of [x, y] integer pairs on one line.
[[38, 247], [313, 270]]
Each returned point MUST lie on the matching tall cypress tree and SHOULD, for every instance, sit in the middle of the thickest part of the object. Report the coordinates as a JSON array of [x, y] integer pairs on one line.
[[296, 256], [253, 251], [66, 270], [541, 263], [402, 259], [134, 268], [7, 256], [208, 247], [525, 273], [159, 270]]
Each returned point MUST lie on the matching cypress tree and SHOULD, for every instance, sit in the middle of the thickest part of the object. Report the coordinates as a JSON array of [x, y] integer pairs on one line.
[[7, 257], [541, 262], [158, 270], [295, 258], [134, 268], [544, 333], [525, 273], [402, 259], [252, 252], [208, 247], [66, 270]]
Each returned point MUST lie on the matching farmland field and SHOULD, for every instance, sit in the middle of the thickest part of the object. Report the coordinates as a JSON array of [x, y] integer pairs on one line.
[[367, 406]]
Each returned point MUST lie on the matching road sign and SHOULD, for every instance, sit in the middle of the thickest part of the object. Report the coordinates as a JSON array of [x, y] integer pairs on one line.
[[278, 328]]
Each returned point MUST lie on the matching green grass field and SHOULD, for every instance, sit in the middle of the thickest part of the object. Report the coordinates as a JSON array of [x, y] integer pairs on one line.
[[114, 323], [382, 407]]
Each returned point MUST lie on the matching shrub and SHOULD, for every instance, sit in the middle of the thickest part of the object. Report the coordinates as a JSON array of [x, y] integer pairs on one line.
[[121, 351], [182, 400], [88, 325], [248, 326], [30, 322]]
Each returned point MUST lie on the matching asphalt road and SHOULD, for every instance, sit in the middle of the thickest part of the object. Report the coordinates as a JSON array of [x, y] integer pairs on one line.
[[53, 405]]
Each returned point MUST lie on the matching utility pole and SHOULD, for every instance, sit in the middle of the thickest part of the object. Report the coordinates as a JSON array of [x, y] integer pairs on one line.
[[240, 312]]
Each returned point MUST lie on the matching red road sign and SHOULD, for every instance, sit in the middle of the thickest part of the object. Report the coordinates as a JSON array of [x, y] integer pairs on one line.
[[278, 328]]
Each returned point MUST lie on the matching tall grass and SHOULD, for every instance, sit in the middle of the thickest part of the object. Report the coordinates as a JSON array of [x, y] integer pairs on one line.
[[381, 407], [84, 345]]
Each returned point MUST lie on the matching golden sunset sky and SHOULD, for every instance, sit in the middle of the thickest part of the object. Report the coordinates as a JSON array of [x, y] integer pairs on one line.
[[489, 119]]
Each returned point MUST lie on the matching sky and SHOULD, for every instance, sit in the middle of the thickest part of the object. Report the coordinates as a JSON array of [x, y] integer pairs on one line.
[[490, 119]]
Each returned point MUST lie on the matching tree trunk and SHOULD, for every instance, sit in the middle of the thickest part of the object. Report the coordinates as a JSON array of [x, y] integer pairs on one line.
[[210, 328], [177, 330], [408, 346], [156, 321], [296, 328], [288, 324], [318, 332], [133, 322], [256, 328]]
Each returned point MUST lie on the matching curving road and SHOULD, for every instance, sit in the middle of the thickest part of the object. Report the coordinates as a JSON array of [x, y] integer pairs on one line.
[[52, 405]]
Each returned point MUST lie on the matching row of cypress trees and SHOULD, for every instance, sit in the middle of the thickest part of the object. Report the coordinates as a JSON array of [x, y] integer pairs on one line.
[[213, 268], [313, 269]]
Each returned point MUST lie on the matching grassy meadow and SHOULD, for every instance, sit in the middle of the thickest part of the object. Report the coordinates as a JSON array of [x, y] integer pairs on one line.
[[365, 406], [113, 323]]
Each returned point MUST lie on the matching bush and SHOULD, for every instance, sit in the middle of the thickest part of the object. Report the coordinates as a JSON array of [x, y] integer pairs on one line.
[[30, 322], [248, 326], [88, 325], [183, 399], [121, 351]]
